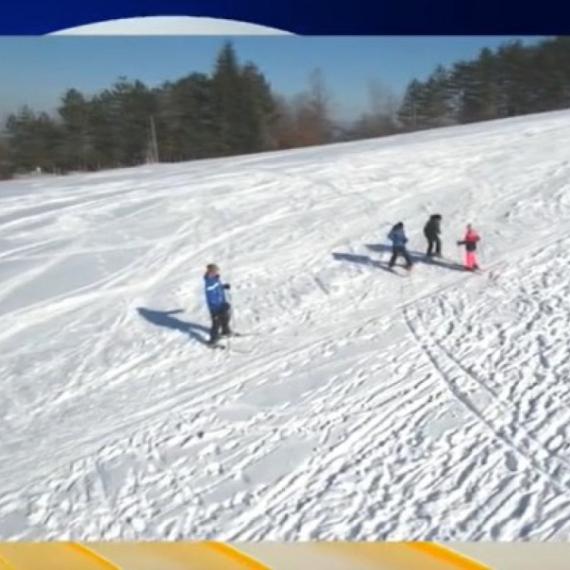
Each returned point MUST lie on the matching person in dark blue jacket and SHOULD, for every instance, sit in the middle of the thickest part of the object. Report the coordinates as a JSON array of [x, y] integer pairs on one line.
[[399, 240], [220, 309]]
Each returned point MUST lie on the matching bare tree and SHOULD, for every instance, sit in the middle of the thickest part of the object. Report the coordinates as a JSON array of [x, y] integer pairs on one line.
[[286, 124], [381, 117], [383, 108], [305, 119], [383, 101], [319, 107]]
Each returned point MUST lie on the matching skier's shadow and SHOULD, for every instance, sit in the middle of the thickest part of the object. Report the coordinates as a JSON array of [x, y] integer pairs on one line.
[[387, 249], [362, 260], [417, 257], [167, 320]]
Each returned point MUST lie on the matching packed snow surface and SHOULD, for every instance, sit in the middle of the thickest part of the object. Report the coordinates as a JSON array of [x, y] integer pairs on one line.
[[364, 405]]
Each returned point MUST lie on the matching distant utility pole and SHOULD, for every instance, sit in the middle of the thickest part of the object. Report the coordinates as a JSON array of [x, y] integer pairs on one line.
[[154, 143]]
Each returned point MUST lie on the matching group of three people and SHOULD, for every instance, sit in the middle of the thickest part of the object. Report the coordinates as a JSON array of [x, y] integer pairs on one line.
[[432, 232]]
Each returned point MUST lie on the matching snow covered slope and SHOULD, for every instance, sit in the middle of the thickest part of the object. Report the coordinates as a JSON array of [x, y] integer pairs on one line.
[[366, 406]]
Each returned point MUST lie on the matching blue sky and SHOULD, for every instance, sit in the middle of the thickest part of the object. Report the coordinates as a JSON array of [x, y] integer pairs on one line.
[[36, 70]]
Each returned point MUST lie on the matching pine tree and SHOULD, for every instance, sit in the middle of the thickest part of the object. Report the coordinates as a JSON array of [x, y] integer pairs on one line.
[[7, 169], [409, 114], [133, 106], [481, 92], [35, 141], [228, 103], [74, 114], [192, 117], [260, 110], [514, 60], [436, 100]]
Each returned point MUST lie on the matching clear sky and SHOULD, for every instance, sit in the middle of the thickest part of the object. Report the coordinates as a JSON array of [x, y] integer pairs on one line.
[[36, 70]]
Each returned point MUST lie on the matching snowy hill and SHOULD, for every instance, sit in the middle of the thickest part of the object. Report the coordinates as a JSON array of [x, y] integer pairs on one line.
[[366, 405]]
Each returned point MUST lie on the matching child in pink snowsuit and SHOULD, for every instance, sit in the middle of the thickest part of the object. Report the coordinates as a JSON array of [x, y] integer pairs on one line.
[[470, 242]]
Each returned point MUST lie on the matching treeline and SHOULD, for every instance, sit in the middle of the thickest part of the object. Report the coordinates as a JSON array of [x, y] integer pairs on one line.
[[233, 110], [513, 80]]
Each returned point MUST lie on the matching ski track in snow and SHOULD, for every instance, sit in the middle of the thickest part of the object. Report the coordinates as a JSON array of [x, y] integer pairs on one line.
[[365, 406]]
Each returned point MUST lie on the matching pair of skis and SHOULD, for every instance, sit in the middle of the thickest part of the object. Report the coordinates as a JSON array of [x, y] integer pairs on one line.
[[220, 345], [405, 271]]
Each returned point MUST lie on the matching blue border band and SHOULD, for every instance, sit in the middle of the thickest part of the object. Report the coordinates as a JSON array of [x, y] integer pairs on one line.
[[310, 17]]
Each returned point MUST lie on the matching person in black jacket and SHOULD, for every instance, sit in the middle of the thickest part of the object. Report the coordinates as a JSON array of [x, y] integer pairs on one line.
[[432, 231]]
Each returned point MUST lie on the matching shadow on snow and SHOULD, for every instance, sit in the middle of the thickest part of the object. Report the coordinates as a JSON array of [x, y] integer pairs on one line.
[[361, 260], [166, 320], [417, 257]]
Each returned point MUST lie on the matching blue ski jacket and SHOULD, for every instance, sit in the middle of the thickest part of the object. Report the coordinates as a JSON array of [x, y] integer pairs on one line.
[[215, 294], [398, 237]]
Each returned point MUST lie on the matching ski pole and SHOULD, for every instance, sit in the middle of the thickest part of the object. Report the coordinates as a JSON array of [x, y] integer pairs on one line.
[[232, 316]]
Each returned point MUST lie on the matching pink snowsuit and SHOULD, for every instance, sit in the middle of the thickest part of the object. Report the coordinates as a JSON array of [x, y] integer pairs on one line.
[[470, 242]]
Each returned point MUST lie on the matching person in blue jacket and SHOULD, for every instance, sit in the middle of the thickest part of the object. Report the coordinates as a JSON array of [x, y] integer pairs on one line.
[[220, 309], [399, 240]]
